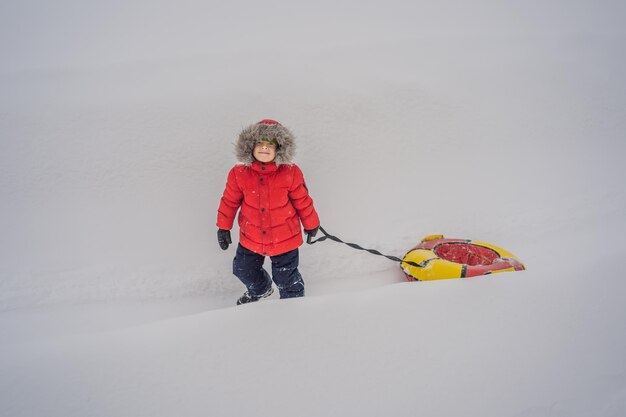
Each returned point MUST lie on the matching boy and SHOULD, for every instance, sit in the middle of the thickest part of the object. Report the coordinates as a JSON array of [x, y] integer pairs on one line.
[[271, 192]]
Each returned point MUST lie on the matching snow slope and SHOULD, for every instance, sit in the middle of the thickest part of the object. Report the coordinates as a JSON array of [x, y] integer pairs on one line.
[[497, 122]]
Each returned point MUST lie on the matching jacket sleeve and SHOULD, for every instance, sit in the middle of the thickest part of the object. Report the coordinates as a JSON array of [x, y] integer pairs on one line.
[[230, 202], [302, 201]]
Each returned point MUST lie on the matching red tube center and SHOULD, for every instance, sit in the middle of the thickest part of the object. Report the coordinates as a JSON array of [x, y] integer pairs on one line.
[[466, 253]]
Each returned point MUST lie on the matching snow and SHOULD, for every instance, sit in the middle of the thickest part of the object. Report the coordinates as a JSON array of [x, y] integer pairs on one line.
[[499, 122]]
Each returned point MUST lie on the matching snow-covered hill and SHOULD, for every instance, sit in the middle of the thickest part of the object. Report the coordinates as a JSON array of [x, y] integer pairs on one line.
[[497, 122], [531, 344]]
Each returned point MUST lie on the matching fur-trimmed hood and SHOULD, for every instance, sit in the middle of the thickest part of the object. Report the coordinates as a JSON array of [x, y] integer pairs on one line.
[[249, 136]]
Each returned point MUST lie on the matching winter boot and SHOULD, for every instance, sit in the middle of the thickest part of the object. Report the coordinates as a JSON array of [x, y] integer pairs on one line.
[[247, 298]]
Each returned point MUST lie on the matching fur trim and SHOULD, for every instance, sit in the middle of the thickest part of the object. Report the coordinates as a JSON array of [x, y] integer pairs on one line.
[[252, 134]]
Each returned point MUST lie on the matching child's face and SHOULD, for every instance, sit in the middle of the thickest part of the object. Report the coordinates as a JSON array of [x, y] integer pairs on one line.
[[264, 152]]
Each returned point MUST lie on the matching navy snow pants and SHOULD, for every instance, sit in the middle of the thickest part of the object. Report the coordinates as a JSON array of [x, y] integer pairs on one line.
[[248, 267]]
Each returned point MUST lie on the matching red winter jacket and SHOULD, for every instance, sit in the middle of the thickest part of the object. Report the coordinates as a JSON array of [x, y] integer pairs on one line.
[[273, 200]]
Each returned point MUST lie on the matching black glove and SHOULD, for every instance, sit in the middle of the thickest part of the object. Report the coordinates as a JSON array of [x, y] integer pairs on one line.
[[311, 234], [223, 238]]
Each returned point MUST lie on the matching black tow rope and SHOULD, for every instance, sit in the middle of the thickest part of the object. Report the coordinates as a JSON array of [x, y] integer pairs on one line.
[[310, 241]]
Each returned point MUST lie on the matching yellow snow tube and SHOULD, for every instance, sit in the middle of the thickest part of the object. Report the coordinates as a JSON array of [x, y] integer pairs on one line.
[[439, 258]]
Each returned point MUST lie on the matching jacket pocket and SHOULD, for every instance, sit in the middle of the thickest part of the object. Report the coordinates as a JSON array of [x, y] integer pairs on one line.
[[294, 225]]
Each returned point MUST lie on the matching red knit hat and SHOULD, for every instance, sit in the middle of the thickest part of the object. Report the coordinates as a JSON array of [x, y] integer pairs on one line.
[[268, 122]]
